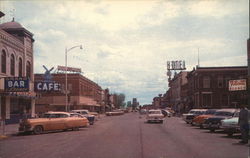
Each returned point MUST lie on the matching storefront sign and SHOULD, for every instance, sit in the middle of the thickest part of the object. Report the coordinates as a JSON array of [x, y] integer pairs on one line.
[[16, 84], [238, 85], [47, 86]]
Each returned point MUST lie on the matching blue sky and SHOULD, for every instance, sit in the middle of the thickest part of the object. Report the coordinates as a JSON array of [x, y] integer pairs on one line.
[[126, 43]]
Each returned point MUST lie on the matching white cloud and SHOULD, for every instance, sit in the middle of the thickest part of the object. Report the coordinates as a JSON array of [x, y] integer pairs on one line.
[[126, 44]]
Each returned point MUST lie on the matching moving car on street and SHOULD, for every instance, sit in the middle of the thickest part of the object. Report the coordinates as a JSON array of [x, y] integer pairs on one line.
[[86, 114], [115, 112], [155, 116], [213, 123], [52, 121]]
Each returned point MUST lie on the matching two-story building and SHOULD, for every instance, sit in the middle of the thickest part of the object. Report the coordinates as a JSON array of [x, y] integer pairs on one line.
[[16, 60], [82, 94], [208, 87]]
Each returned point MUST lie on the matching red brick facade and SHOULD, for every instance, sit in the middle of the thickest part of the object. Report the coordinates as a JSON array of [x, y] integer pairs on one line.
[[83, 94]]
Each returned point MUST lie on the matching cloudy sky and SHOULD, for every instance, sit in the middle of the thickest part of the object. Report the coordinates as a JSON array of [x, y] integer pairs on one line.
[[126, 43]]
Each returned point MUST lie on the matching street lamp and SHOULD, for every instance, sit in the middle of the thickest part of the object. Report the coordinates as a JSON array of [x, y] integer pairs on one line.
[[66, 79]]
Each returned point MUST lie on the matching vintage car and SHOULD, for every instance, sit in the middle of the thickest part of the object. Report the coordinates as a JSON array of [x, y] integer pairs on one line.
[[199, 120], [155, 116], [115, 112], [230, 126], [86, 114], [52, 121], [213, 123], [166, 113], [188, 118]]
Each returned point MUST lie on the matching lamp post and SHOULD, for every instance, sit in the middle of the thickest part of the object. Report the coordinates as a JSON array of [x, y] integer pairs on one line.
[[66, 77]]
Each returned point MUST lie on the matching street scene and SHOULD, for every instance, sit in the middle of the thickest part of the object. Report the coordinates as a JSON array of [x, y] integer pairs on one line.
[[124, 79], [129, 136]]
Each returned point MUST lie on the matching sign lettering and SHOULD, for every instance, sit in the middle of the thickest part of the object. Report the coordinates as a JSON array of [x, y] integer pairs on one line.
[[47, 86], [237, 85], [16, 84]]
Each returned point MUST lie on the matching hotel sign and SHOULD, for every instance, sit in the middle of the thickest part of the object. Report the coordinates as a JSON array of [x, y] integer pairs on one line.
[[238, 85], [16, 84], [176, 65]]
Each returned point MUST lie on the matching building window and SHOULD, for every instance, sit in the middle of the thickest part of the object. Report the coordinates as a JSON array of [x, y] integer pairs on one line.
[[20, 68], [220, 81], [227, 79], [3, 61], [12, 65], [28, 70], [206, 82]]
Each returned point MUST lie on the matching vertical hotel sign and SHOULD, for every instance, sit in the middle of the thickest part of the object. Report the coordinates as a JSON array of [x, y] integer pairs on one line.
[[238, 85]]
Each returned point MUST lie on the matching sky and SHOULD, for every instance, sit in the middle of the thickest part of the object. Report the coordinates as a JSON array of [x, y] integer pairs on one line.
[[126, 44]]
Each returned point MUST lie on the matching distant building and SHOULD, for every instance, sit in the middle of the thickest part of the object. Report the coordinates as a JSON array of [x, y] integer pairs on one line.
[[134, 103], [16, 60]]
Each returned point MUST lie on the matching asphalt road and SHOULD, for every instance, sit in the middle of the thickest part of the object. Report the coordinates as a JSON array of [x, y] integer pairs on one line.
[[126, 136]]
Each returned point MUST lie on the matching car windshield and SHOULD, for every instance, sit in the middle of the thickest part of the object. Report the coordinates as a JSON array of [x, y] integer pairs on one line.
[[210, 112], [236, 114], [223, 113], [154, 112], [192, 112]]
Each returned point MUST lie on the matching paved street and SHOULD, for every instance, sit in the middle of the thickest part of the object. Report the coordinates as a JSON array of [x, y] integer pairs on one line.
[[126, 136]]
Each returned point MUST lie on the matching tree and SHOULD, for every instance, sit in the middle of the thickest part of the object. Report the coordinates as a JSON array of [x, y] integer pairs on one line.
[[120, 99]]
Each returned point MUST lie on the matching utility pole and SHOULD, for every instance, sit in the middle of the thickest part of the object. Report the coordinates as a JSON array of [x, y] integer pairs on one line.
[[248, 74]]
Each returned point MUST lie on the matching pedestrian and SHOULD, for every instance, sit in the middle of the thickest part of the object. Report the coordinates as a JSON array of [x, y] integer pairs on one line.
[[243, 123]]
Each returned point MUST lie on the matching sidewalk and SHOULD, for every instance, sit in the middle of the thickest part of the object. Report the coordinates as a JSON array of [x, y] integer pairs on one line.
[[8, 130]]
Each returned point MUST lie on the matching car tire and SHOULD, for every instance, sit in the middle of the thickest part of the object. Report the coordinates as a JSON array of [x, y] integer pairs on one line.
[[75, 129], [201, 127], [230, 134], [212, 130], [38, 130], [161, 121]]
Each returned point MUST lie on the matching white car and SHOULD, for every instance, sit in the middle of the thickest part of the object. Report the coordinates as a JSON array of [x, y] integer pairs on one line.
[[155, 116]]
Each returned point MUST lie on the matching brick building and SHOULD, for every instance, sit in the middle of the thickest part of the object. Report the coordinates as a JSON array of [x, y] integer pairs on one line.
[[16, 60], [177, 91], [83, 94], [208, 87]]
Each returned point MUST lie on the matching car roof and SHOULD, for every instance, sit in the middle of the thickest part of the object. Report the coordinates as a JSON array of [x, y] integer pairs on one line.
[[228, 110], [57, 112], [155, 110], [80, 110]]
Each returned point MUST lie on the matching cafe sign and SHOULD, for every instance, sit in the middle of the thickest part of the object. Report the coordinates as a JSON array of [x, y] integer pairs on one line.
[[238, 85], [47, 86], [16, 84]]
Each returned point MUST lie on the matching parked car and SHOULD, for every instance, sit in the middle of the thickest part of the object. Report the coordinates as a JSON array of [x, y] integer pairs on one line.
[[230, 126], [143, 111], [51, 121], [166, 113], [199, 120], [115, 113], [213, 123], [86, 114], [155, 116], [188, 118]]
